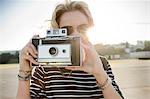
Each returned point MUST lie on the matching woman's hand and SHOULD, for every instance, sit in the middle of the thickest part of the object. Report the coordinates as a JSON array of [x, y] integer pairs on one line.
[[27, 55], [92, 63]]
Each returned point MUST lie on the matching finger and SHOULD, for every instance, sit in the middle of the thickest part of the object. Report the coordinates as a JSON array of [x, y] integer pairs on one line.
[[86, 48], [30, 58], [30, 51], [34, 49], [74, 68]]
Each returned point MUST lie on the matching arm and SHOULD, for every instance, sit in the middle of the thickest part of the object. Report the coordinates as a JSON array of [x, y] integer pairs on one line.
[[25, 59], [93, 65], [112, 86], [109, 92], [23, 90], [110, 74], [35, 89]]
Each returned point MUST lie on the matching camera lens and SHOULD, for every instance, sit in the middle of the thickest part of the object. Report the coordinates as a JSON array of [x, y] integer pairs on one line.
[[53, 51]]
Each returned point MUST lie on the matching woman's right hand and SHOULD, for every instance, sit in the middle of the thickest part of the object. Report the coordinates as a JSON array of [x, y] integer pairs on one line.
[[27, 55]]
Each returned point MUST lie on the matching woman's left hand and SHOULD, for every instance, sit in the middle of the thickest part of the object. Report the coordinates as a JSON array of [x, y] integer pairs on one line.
[[92, 63]]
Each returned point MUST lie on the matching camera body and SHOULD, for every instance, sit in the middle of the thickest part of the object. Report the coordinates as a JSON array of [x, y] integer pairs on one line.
[[58, 49]]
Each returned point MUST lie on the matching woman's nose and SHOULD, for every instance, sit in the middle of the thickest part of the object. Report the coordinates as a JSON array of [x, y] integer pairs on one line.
[[74, 34], [75, 30]]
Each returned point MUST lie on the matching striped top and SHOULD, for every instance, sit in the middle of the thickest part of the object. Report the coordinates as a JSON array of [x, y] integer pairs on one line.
[[48, 83]]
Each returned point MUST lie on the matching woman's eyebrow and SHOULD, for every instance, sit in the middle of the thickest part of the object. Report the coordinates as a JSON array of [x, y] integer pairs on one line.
[[71, 25], [64, 26]]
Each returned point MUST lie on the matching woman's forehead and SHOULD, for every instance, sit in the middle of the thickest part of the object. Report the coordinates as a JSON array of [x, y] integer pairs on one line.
[[73, 18]]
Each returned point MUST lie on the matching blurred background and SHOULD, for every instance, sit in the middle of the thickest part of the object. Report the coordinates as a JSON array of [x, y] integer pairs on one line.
[[121, 33]]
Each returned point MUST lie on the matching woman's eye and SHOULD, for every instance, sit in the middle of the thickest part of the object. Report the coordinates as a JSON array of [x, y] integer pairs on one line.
[[83, 28]]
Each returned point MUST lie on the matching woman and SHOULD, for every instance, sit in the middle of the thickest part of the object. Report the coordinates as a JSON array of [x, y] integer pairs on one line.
[[92, 80]]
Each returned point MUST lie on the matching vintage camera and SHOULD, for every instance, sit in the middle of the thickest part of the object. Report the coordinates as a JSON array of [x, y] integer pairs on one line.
[[58, 49]]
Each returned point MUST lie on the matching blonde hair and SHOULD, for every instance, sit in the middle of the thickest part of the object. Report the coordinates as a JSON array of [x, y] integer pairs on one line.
[[70, 6]]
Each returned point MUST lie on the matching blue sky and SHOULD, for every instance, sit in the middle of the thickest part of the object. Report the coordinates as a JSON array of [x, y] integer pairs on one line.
[[115, 21]]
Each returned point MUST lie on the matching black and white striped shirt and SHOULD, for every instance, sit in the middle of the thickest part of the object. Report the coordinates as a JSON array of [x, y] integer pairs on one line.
[[49, 83]]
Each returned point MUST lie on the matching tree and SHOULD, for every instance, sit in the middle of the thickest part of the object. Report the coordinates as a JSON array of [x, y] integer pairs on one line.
[[147, 46], [5, 57], [17, 56], [108, 50], [139, 49], [119, 51]]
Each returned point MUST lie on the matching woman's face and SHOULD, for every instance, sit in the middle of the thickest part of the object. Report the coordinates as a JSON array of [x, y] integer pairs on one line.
[[75, 22]]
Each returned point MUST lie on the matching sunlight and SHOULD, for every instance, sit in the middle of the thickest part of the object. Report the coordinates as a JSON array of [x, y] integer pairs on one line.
[[115, 21]]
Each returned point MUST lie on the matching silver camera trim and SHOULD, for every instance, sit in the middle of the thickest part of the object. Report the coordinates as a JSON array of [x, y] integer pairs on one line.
[[56, 33], [53, 59]]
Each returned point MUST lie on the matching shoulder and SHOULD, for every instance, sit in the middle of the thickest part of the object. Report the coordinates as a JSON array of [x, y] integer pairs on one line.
[[103, 58], [104, 62]]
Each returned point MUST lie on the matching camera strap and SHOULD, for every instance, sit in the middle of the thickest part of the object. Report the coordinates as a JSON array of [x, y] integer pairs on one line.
[[63, 71]]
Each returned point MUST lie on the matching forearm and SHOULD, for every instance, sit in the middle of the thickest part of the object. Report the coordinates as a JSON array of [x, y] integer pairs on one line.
[[109, 92], [23, 90], [26, 58]]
